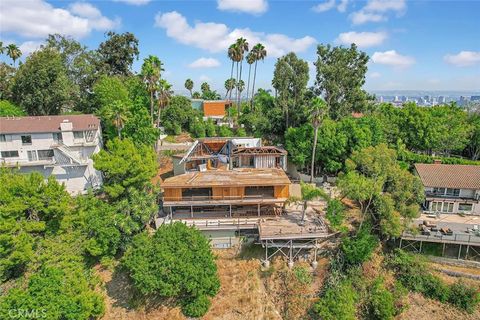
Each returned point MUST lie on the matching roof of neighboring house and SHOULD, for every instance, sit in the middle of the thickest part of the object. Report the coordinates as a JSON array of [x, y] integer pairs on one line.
[[236, 177], [42, 124], [449, 175]]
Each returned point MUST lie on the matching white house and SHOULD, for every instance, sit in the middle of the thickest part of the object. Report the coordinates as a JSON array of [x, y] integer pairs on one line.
[[61, 146], [450, 188]]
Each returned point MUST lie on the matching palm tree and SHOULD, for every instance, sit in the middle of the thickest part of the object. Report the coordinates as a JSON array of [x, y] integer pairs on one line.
[[13, 52], [232, 50], [189, 86], [2, 48], [205, 87], [240, 87], [318, 109], [151, 72], [229, 86], [242, 47], [117, 113], [165, 92], [260, 53], [250, 61]]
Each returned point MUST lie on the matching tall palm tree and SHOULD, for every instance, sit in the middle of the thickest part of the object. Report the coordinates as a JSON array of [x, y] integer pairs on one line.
[[260, 53], [2, 48], [165, 92], [250, 61], [189, 86], [13, 52], [318, 109], [205, 87], [232, 50], [151, 73], [229, 86], [241, 87], [242, 47]]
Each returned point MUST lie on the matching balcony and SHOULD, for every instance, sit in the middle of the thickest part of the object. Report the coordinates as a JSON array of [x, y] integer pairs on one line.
[[219, 200]]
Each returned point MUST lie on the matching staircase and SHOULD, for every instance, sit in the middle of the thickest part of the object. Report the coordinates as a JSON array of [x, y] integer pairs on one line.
[[70, 155]]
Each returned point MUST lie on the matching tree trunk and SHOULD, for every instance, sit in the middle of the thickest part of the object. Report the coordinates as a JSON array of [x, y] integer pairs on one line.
[[240, 92], [304, 208], [253, 85], [248, 83], [191, 94], [313, 152], [236, 86], [151, 105]]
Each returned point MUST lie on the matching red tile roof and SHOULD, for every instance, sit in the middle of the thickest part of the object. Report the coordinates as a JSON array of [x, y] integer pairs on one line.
[[47, 123], [449, 175]]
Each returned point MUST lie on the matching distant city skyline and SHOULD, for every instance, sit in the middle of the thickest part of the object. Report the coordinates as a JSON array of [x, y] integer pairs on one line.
[[413, 45]]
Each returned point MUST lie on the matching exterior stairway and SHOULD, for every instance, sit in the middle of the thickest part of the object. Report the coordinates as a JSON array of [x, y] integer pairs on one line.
[[70, 155]]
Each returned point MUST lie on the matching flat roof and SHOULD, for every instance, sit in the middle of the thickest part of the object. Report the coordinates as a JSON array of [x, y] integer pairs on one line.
[[44, 124], [456, 176], [235, 177]]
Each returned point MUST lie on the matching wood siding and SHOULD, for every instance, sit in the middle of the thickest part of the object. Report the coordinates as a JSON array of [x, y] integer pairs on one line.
[[219, 193], [172, 194], [281, 191], [214, 109]]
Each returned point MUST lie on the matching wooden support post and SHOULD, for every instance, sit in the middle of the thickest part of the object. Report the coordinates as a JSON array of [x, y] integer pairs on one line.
[[420, 251], [466, 254], [400, 243], [258, 209], [230, 210], [459, 251], [443, 250], [191, 211], [315, 251]]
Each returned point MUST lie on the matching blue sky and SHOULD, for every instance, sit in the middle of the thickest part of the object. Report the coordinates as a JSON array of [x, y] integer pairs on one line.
[[413, 45]]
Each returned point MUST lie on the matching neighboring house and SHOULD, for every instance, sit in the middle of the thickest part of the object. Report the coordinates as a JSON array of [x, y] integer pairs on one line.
[[61, 146], [229, 153], [450, 188], [212, 109]]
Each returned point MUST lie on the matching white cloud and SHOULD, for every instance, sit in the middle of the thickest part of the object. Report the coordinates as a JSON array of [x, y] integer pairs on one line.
[[374, 75], [38, 18], [216, 37], [29, 46], [463, 58], [377, 11], [205, 63], [325, 6], [134, 2], [362, 39], [330, 4], [392, 58], [248, 6]]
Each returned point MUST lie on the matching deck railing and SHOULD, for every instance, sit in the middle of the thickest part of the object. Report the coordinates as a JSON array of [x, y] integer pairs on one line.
[[456, 237], [214, 198]]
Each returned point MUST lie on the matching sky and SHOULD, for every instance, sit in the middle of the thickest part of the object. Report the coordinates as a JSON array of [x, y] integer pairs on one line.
[[413, 45]]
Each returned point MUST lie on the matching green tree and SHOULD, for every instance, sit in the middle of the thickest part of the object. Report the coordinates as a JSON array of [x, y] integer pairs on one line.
[[117, 53], [125, 165], [473, 147], [41, 85], [340, 77], [224, 131], [230, 84], [381, 302], [178, 114], [298, 142], [13, 52], [8, 109], [250, 60], [210, 130], [189, 86], [6, 80], [205, 87], [197, 128], [116, 113], [175, 262], [30, 207], [337, 303], [232, 55], [138, 126], [241, 47], [165, 93], [359, 248], [151, 73], [290, 79]]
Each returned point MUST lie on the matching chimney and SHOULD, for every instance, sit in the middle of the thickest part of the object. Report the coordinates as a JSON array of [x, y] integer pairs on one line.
[[437, 161]]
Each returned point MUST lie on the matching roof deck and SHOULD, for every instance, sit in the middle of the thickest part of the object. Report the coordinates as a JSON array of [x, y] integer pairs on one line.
[[228, 178]]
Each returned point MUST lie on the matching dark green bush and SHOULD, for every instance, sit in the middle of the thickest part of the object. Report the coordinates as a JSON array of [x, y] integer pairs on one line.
[[381, 304], [359, 248], [464, 297], [335, 213], [196, 307]]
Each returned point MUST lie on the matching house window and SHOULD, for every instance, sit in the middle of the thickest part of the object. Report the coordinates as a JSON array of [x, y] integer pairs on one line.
[[45, 154], [453, 192], [32, 155], [78, 134], [2, 138], [57, 137], [437, 206], [448, 207], [439, 190], [465, 207], [9, 154], [26, 139]]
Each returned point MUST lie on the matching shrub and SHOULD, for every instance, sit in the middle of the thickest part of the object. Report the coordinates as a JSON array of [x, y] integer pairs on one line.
[[224, 131], [337, 302], [302, 274], [196, 307], [210, 128], [381, 304], [335, 213], [197, 128], [464, 297], [359, 248]]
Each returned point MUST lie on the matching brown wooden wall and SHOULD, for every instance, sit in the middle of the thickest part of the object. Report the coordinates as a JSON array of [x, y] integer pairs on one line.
[[172, 194], [281, 191], [214, 108]]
